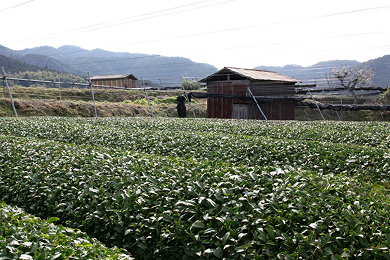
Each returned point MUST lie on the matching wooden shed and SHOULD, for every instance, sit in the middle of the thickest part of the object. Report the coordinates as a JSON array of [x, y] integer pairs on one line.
[[232, 93], [117, 80]]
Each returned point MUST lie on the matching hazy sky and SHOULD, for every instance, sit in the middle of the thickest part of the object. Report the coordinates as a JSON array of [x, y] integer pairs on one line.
[[239, 33]]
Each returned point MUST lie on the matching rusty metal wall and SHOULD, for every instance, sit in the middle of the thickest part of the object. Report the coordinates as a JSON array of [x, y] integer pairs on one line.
[[220, 107], [223, 107], [276, 110]]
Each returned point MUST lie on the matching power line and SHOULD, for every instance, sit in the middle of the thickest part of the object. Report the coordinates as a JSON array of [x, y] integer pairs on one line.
[[239, 28], [16, 5], [194, 63], [118, 23], [260, 25], [118, 59], [225, 49], [151, 66], [254, 26], [205, 33]]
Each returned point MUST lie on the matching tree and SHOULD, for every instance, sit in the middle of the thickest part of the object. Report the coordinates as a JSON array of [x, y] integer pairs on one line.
[[190, 84], [350, 79]]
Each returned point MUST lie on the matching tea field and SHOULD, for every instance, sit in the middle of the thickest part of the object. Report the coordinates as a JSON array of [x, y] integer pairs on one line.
[[23, 236], [205, 189]]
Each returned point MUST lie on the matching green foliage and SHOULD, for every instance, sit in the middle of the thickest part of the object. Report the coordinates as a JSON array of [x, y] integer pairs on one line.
[[138, 101], [190, 85], [168, 100], [385, 97], [211, 189], [23, 236], [47, 76], [15, 66]]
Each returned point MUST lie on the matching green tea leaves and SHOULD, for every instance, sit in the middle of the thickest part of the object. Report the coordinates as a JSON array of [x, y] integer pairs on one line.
[[188, 189]]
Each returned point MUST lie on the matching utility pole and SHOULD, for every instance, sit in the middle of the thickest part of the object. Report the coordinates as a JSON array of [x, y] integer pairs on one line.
[[9, 91], [93, 96]]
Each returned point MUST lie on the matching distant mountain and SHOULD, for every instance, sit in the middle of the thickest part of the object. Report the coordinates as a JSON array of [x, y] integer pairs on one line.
[[42, 50], [6, 51], [381, 67], [48, 63], [318, 73], [315, 74], [76, 60], [15, 66], [161, 69]]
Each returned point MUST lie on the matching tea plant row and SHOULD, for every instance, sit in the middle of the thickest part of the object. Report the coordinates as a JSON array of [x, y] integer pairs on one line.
[[361, 133], [366, 160], [23, 236], [165, 193]]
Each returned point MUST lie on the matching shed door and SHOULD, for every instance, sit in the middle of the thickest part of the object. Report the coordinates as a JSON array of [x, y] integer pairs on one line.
[[240, 111]]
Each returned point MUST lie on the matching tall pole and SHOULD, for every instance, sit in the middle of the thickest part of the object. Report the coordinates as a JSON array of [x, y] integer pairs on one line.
[[250, 92], [59, 83], [337, 113], [147, 97], [316, 105], [93, 96], [9, 91]]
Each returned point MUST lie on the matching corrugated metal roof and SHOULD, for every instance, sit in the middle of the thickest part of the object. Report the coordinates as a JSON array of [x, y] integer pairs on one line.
[[251, 74], [262, 74], [115, 76]]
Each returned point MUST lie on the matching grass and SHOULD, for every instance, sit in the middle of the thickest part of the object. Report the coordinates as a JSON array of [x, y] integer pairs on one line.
[[77, 102]]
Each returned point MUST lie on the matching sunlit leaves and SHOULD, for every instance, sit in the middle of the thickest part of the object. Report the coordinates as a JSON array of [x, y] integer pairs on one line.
[[189, 189], [24, 236]]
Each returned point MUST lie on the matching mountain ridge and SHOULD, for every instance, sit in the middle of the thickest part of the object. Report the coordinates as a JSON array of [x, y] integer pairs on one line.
[[69, 58], [166, 70]]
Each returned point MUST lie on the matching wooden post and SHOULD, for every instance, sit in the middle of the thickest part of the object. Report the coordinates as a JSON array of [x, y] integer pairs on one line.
[[147, 97], [93, 96], [9, 91], [150, 106], [59, 84]]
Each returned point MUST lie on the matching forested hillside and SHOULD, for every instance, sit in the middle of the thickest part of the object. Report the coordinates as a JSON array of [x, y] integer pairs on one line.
[[74, 59], [22, 70], [381, 66], [15, 66]]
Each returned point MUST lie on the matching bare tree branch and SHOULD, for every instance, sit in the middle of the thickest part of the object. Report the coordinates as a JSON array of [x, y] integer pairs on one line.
[[351, 78]]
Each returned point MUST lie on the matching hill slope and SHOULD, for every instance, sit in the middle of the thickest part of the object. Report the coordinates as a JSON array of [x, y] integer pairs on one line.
[[15, 66], [100, 62], [381, 67], [317, 72]]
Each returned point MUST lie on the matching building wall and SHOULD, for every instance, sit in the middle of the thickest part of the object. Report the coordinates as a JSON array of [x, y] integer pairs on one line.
[[223, 107], [273, 89], [276, 110], [236, 108], [121, 83]]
